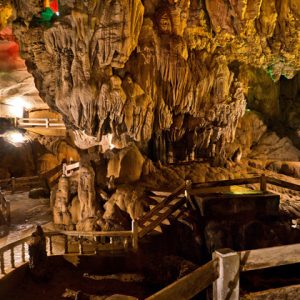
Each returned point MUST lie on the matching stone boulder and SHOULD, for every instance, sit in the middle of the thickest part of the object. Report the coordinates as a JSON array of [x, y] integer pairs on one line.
[[127, 198], [126, 165]]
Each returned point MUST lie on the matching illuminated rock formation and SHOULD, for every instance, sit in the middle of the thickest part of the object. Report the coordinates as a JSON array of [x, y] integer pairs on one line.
[[159, 71]]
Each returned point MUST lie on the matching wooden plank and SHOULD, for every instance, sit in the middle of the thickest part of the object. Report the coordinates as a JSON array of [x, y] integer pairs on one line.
[[189, 285], [282, 183], [165, 202], [291, 292], [239, 181], [269, 257]]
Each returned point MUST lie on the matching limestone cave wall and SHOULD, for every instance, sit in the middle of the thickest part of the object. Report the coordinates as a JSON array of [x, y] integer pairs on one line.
[[168, 75]]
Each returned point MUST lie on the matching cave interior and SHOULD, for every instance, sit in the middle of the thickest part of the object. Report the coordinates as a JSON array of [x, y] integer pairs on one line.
[[145, 137]]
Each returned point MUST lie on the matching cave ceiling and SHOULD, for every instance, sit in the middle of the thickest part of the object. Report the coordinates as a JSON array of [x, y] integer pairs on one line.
[[151, 70], [16, 83]]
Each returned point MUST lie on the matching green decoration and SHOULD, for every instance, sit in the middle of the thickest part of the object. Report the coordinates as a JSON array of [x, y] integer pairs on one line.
[[47, 14]]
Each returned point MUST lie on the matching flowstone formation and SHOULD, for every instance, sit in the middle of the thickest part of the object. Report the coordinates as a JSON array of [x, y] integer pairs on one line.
[[160, 71], [159, 80]]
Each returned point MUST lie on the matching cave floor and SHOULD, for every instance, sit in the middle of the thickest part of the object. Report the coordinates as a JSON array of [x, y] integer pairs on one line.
[[63, 276], [26, 213]]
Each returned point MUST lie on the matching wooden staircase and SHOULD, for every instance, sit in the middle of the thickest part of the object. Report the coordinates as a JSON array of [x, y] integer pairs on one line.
[[170, 205]]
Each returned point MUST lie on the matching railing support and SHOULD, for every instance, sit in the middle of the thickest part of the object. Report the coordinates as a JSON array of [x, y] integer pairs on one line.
[[188, 186], [66, 244], [135, 235], [80, 245], [12, 258], [50, 245], [227, 286], [263, 183], [2, 269], [13, 184], [23, 252], [8, 217]]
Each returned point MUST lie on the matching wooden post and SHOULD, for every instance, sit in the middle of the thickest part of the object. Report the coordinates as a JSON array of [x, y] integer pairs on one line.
[[8, 217], [135, 235], [23, 252], [263, 183], [2, 269], [66, 245], [13, 184], [227, 286], [95, 241], [80, 245], [188, 186], [50, 245], [12, 257]]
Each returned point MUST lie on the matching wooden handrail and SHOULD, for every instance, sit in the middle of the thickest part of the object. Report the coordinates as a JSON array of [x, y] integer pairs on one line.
[[121, 233], [283, 183], [189, 285], [160, 218], [269, 257], [51, 172], [230, 182], [31, 180], [40, 122], [20, 182], [65, 234], [162, 204]]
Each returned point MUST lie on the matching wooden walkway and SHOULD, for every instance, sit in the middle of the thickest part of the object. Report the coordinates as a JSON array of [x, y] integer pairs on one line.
[[222, 271]]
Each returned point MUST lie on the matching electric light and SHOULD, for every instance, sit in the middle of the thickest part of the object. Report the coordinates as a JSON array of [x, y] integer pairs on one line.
[[18, 102], [14, 137]]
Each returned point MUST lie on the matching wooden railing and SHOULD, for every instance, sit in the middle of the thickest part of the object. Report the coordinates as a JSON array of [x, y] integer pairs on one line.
[[191, 284], [5, 208], [232, 263], [81, 240], [147, 224], [53, 175], [224, 273], [20, 183], [68, 169], [40, 122], [240, 181]]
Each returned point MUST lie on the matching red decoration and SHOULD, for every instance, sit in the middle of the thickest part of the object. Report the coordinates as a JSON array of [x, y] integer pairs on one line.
[[54, 5]]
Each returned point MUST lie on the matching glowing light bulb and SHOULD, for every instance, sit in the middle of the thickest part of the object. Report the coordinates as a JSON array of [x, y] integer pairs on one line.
[[19, 102], [16, 137]]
